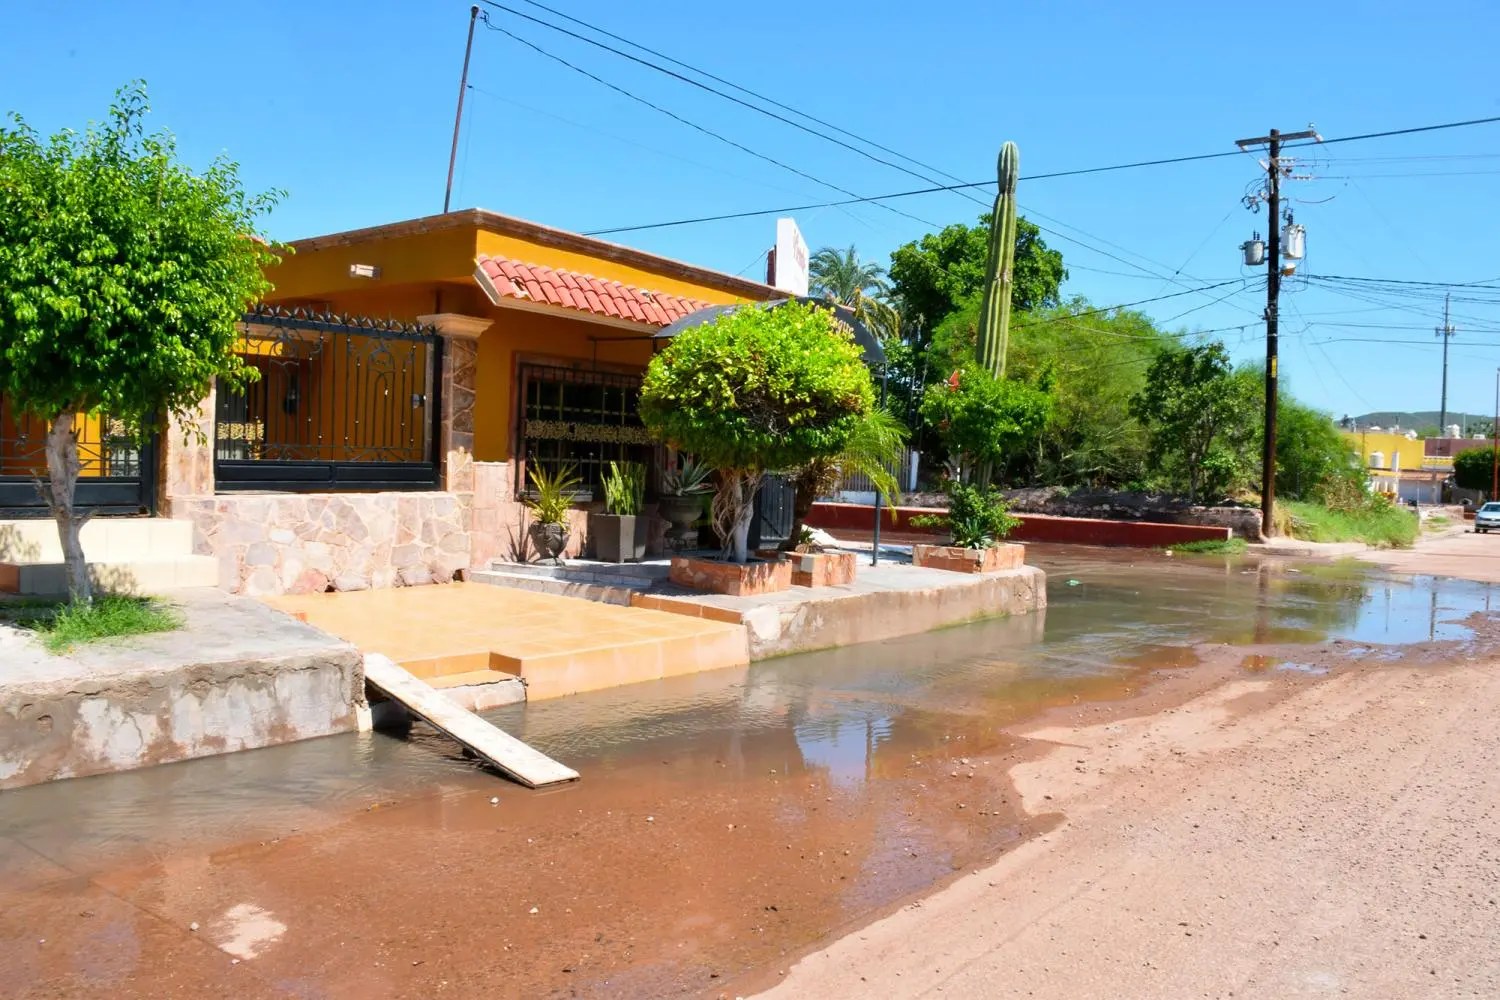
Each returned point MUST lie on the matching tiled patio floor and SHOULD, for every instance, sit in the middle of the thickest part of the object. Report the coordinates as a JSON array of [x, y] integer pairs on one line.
[[469, 633]]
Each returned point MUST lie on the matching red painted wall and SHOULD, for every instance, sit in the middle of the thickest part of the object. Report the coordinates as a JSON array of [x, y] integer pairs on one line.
[[848, 518]]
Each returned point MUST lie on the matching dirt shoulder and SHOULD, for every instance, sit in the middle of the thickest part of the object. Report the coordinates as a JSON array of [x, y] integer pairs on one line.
[[1337, 842], [1458, 552]]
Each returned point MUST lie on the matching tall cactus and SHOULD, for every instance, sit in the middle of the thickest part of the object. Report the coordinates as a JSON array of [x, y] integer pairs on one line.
[[999, 279]]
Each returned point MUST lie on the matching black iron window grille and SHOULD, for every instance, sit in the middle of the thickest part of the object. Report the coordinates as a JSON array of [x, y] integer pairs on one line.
[[586, 418], [342, 403]]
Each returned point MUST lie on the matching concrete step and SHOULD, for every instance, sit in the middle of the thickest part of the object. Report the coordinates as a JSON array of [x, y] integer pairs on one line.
[[589, 571], [123, 576], [616, 592], [26, 541]]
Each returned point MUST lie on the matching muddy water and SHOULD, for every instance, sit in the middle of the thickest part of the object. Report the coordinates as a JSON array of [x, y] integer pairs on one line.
[[725, 821]]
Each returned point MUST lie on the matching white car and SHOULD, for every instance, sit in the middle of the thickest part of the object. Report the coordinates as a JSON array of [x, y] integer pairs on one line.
[[1487, 517]]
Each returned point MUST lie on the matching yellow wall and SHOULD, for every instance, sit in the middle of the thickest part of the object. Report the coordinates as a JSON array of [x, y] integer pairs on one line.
[[418, 258], [1390, 445], [518, 337]]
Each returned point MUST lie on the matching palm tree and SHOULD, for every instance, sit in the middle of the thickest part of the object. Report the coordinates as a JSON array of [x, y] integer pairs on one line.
[[843, 277], [876, 445]]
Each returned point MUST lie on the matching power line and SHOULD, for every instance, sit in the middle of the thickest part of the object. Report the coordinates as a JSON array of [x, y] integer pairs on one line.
[[730, 216], [742, 89], [700, 85], [692, 124]]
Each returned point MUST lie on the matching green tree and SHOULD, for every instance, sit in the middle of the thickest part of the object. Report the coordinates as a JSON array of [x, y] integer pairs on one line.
[[1097, 361], [843, 277], [1311, 453], [1190, 397], [983, 419], [938, 273], [1474, 469], [123, 276], [757, 390]]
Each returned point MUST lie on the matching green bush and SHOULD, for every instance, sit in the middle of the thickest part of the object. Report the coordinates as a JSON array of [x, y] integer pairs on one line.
[[757, 390], [977, 518], [1211, 546], [1379, 523], [983, 418]]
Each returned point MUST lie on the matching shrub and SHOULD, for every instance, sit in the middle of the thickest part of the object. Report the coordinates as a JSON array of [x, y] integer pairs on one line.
[[983, 418], [977, 518], [757, 390]]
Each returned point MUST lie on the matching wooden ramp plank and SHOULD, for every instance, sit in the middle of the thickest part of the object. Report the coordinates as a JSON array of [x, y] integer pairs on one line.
[[525, 764]]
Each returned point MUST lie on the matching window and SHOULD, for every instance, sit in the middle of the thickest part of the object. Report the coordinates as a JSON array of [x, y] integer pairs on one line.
[[585, 418]]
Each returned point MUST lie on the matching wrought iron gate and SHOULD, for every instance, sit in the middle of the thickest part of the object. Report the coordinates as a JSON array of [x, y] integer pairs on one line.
[[117, 474], [773, 511], [342, 403]]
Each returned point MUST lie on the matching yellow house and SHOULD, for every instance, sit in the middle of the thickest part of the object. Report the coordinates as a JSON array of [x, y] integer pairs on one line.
[[1398, 465], [561, 325]]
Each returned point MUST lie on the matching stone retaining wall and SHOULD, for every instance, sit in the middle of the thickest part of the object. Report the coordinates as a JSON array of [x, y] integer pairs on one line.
[[238, 676], [309, 543]]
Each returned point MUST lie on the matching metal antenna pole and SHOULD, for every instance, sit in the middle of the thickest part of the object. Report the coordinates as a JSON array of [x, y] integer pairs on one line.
[[458, 117]]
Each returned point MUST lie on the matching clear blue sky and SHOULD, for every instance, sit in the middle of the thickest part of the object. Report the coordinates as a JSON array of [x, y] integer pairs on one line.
[[349, 109]]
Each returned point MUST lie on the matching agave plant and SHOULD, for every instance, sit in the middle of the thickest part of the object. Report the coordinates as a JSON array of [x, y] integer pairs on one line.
[[552, 493], [691, 479]]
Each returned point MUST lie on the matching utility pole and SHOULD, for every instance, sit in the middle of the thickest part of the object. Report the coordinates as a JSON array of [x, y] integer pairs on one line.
[[1273, 293], [1495, 443], [458, 117], [1446, 332]]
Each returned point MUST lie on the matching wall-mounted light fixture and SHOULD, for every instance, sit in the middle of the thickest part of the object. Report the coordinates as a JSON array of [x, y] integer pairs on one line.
[[364, 271]]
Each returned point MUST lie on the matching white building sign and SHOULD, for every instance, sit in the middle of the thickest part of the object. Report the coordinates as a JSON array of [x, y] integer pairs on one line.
[[791, 258]]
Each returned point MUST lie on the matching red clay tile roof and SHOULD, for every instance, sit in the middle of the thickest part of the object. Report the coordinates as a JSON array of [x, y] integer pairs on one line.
[[585, 293]]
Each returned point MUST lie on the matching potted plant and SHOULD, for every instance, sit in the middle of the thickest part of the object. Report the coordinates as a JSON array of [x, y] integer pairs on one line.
[[978, 520], [619, 534], [551, 499], [681, 503]]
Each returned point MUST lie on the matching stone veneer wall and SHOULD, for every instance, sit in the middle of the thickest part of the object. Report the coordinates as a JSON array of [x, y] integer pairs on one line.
[[298, 544]]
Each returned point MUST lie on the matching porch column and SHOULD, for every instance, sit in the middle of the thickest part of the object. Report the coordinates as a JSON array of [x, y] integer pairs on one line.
[[186, 462], [460, 362]]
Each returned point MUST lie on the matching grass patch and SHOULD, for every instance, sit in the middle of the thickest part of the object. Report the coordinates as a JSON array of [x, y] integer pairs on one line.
[[1381, 526], [63, 626], [1437, 522], [1211, 546]]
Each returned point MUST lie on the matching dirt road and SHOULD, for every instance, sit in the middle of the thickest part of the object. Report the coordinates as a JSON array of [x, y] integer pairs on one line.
[[1341, 843], [1458, 552]]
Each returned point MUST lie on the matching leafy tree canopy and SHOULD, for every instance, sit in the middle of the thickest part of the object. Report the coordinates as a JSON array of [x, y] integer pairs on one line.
[[1191, 397], [123, 277], [123, 274], [1473, 469], [984, 418], [759, 388], [935, 275], [1311, 453]]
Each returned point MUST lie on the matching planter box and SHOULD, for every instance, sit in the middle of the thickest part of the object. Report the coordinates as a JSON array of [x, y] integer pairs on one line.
[[617, 538], [738, 579], [951, 557], [823, 569]]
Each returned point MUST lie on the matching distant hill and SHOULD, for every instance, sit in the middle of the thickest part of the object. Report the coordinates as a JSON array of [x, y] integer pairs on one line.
[[1416, 420]]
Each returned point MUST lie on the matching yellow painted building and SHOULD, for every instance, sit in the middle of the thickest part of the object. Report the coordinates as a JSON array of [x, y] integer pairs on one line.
[[1398, 465], [563, 324]]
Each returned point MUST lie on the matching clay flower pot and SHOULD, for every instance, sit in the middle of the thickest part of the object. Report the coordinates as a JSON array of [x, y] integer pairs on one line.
[[550, 540]]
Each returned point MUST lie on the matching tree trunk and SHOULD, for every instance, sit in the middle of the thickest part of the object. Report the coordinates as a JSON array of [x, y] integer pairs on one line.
[[734, 509], [62, 477]]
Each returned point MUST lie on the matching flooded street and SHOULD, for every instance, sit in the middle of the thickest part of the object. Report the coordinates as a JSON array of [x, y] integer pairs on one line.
[[725, 823]]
